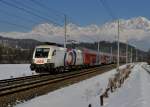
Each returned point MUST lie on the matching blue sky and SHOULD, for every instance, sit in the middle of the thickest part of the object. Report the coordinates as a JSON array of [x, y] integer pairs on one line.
[[83, 12]]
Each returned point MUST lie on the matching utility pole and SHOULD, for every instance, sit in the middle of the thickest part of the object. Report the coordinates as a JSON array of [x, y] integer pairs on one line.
[[127, 51], [118, 57], [136, 54], [98, 49], [131, 55], [65, 30], [98, 44], [111, 52]]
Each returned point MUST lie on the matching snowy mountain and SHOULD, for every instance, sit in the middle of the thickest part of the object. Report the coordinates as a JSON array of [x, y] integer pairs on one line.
[[141, 23], [137, 29]]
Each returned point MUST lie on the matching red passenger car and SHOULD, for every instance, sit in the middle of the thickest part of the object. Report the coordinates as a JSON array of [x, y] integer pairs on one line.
[[89, 57], [105, 58]]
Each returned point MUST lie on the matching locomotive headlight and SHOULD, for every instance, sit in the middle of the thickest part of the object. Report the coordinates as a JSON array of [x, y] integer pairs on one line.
[[48, 60]]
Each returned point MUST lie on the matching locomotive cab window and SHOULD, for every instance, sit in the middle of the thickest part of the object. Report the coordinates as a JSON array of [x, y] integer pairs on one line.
[[54, 53], [42, 52]]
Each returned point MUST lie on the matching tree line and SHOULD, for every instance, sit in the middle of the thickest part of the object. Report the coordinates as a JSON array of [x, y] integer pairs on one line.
[[15, 55]]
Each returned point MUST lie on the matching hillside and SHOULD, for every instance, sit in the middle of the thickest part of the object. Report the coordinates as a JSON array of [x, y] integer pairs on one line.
[[20, 50], [136, 29]]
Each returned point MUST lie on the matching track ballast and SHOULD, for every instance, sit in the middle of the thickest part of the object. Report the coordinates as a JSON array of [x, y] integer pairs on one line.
[[25, 88]]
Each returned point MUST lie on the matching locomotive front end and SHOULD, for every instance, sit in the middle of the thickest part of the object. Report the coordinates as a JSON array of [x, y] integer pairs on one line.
[[42, 59]]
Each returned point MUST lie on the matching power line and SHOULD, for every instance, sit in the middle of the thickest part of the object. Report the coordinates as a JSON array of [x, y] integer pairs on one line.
[[72, 20], [13, 24], [17, 16], [33, 9], [60, 14], [108, 10], [113, 16], [67, 19], [27, 11]]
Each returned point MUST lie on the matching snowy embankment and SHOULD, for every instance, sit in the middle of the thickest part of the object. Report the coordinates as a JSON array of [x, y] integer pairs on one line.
[[77, 95], [8, 71], [135, 92]]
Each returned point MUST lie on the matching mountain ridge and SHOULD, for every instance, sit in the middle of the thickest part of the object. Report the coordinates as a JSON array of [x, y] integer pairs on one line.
[[135, 29]]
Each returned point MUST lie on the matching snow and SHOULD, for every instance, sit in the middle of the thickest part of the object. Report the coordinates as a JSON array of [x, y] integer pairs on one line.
[[130, 94], [133, 93], [8, 71], [137, 29], [77, 95]]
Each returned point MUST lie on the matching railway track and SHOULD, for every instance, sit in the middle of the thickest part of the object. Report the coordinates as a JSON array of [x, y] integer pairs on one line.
[[9, 87], [17, 84], [146, 69]]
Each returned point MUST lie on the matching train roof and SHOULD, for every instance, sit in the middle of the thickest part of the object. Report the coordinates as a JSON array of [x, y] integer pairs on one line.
[[49, 44], [52, 44]]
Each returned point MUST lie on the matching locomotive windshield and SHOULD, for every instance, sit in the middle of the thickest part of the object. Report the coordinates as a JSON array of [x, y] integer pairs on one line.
[[41, 52]]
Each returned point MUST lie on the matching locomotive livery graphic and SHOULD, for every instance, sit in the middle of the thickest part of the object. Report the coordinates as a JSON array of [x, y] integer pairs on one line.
[[70, 57], [54, 58]]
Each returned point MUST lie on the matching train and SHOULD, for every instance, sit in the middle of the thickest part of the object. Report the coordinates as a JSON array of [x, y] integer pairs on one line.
[[55, 58]]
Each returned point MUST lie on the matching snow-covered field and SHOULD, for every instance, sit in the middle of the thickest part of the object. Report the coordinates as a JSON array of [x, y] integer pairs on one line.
[[134, 92], [14, 70], [77, 95]]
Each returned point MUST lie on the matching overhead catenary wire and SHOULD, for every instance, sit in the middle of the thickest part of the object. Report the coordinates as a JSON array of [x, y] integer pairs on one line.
[[28, 11], [67, 19], [37, 11], [56, 12], [31, 11], [14, 24], [108, 10], [17, 16], [113, 16]]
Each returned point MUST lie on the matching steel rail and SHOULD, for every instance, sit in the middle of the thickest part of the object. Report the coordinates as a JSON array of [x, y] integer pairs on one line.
[[44, 80], [7, 82]]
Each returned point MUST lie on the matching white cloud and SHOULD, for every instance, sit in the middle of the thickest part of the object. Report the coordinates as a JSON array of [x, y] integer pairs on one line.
[[135, 29]]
